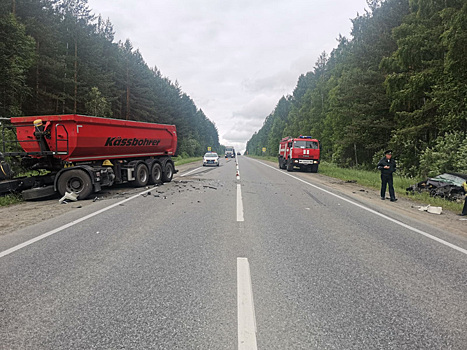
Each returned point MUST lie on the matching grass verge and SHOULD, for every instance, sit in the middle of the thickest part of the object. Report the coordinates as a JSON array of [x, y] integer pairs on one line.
[[372, 179], [10, 199], [182, 161], [271, 159]]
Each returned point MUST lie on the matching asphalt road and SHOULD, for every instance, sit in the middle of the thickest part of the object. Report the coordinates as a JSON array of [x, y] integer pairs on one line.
[[212, 261]]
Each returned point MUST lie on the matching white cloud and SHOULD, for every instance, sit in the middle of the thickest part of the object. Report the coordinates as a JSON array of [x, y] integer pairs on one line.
[[234, 58]]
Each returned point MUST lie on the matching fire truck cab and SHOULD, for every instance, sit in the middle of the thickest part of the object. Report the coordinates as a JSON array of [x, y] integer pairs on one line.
[[302, 152]]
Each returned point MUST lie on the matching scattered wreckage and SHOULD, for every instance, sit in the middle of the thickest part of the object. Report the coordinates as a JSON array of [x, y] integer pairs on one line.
[[447, 186]]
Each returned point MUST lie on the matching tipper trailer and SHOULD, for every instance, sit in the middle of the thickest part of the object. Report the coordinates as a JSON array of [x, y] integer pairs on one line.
[[82, 154]]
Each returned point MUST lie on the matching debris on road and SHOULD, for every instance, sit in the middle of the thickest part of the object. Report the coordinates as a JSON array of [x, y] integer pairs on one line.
[[68, 196], [212, 187], [447, 186], [432, 210]]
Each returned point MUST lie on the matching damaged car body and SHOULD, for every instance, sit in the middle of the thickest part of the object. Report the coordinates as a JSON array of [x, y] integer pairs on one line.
[[447, 186]]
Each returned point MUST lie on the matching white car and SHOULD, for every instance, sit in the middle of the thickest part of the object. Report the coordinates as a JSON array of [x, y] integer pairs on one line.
[[211, 158]]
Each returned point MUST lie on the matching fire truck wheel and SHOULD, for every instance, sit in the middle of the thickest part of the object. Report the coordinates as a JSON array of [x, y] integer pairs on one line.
[[289, 165], [155, 176], [168, 174], [314, 168], [141, 175], [75, 181]]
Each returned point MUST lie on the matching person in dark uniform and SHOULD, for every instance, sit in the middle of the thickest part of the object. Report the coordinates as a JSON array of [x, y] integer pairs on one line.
[[464, 210], [387, 166]]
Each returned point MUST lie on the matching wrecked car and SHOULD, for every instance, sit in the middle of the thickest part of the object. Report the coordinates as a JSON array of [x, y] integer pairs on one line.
[[447, 186]]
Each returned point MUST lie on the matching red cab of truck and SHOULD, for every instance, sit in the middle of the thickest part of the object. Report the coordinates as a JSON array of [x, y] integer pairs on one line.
[[302, 152]]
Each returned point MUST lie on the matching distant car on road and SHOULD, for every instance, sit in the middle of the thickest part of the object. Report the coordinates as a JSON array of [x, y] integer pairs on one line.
[[211, 158], [239, 154]]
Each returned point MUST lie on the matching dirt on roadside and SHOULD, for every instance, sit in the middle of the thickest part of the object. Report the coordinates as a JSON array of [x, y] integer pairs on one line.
[[24, 214], [447, 221]]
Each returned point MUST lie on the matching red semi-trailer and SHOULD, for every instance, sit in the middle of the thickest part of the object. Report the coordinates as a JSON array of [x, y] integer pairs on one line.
[[84, 154], [302, 152]]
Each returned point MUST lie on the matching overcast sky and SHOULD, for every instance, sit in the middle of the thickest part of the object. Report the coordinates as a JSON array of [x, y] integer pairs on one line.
[[234, 58]]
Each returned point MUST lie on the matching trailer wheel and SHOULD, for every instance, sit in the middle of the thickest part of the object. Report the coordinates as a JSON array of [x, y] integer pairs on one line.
[[75, 181], [38, 193], [141, 175], [155, 175], [168, 173], [289, 165]]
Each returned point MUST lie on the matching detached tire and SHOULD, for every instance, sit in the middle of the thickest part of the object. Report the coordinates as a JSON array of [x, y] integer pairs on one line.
[[38, 193], [141, 175], [155, 175], [75, 181], [168, 173]]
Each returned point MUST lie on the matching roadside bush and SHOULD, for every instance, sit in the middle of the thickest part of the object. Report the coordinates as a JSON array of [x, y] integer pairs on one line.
[[449, 154]]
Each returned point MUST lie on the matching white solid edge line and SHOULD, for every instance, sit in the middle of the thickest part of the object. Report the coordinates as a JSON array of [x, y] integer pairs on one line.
[[246, 320], [61, 228], [400, 223], [239, 203], [190, 172]]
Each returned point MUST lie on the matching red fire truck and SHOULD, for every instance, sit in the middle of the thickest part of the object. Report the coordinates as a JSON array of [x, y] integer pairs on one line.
[[302, 152]]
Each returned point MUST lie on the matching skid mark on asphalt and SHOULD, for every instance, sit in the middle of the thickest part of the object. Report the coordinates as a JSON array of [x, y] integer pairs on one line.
[[315, 199], [203, 171]]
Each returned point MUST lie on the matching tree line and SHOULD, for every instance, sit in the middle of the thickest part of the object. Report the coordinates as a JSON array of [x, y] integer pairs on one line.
[[398, 82], [56, 57]]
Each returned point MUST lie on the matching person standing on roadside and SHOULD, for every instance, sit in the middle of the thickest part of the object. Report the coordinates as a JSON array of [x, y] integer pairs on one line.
[[387, 166], [464, 210]]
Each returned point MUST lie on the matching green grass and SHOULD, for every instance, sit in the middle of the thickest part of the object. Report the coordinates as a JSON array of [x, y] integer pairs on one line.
[[180, 161], [372, 179], [10, 199], [271, 159]]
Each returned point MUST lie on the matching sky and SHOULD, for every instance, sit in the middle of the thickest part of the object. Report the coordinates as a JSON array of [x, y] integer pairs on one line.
[[234, 58]]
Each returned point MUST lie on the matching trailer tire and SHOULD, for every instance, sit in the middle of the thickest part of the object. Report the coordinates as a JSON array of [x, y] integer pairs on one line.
[[141, 175], [168, 173], [155, 175], [38, 193], [75, 181], [289, 165]]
